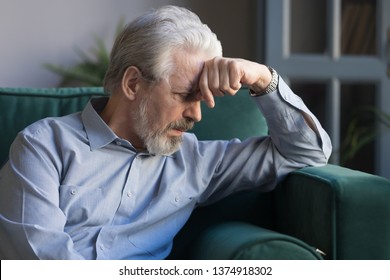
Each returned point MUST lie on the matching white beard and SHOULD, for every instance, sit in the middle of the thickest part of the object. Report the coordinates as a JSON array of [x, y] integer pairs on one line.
[[156, 140]]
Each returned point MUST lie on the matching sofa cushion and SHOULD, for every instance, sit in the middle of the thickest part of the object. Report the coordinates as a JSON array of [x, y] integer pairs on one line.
[[237, 240]]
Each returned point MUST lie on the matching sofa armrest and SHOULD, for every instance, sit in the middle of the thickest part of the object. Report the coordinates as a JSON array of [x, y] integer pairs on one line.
[[343, 212]]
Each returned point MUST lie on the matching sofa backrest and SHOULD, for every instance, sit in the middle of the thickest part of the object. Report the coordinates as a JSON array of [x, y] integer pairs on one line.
[[232, 117], [20, 107]]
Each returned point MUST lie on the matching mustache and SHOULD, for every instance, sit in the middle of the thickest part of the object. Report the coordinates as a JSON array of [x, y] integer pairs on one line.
[[183, 125]]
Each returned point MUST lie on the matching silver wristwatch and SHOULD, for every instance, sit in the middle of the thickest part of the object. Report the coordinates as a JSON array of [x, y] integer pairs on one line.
[[272, 86]]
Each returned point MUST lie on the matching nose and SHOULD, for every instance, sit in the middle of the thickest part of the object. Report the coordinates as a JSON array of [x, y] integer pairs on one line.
[[193, 111]]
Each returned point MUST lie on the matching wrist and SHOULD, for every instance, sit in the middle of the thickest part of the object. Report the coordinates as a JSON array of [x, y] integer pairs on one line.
[[256, 90]]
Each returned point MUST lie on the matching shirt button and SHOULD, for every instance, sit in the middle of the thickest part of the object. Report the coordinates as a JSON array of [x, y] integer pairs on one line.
[[73, 192], [130, 194], [118, 143], [101, 247], [177, 199]]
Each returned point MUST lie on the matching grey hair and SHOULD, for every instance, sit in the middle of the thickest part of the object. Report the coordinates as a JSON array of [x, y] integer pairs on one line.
[[149, 41]]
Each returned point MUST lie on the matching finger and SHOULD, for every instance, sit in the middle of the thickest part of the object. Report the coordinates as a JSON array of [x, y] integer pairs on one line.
[[224, 79], [207, 95], [230, 77], [213, 76], [235, 76]]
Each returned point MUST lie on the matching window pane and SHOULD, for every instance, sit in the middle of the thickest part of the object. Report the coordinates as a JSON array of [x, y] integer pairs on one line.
[[358, 27], [308, 26], [358, 124]]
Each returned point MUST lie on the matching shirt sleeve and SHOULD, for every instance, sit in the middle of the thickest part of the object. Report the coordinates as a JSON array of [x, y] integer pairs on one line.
[[30, 218], [261, 162], [289, 131]]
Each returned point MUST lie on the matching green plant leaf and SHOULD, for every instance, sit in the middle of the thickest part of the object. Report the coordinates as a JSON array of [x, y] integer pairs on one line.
[[362, 130]]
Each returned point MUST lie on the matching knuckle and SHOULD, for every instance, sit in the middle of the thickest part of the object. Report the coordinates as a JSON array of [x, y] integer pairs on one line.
[[232, 63], [225, 88]]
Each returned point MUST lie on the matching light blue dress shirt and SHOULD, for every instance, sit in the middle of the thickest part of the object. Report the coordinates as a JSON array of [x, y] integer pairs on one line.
[[72, 189]]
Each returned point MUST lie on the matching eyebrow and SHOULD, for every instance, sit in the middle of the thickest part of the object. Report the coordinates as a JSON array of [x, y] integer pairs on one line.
[[188, 85]]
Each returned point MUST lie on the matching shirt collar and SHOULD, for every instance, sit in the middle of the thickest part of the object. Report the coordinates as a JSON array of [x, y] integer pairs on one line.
[[98, 132]]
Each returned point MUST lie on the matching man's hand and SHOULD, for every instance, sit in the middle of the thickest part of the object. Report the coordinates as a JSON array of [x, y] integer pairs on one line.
[[222, 76]]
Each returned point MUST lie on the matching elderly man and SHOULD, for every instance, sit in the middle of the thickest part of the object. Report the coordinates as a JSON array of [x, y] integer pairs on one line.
[[119, 179]]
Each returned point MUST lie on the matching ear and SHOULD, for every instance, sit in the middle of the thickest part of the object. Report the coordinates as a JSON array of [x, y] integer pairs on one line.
[[130, 82]]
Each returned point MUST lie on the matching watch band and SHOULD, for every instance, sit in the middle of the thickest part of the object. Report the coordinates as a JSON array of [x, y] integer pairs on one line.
[[272, 86]]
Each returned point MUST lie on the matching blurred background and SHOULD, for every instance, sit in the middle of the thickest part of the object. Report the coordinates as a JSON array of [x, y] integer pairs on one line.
[[334, 53]]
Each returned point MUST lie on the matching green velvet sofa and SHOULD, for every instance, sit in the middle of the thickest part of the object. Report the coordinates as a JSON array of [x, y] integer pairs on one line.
[[315, 213]]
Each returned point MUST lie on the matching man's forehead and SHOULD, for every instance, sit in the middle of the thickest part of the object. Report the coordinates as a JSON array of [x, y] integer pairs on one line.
[[188, 68]]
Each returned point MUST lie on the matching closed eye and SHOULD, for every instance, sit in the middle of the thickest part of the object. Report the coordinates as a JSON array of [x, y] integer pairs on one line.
[[187, 96]]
